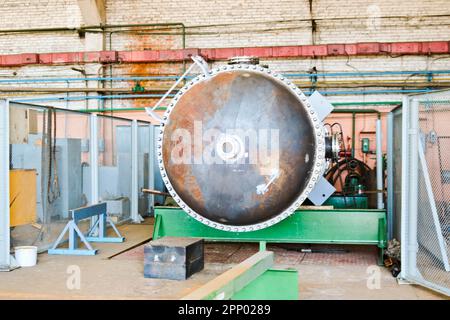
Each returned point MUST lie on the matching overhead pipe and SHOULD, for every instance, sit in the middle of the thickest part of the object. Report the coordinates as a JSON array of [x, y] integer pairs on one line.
[[48, 80], [95, 28], [82, 98], [336, 104], [175, 77], [37, 30], [367, 73], [163, 89], [140, 96]]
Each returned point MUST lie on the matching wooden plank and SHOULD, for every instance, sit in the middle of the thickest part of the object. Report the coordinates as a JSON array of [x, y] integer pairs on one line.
[[227, 284], [18, 126]]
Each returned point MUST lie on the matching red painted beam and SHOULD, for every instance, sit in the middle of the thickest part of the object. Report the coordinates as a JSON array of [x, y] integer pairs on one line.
[[12, 60], [304, 51]]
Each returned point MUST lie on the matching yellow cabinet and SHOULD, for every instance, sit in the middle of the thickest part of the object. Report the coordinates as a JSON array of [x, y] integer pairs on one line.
[[22, 196]]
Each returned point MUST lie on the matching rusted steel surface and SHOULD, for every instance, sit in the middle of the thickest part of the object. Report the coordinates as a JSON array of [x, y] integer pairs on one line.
[[173, 258], [226, 193]]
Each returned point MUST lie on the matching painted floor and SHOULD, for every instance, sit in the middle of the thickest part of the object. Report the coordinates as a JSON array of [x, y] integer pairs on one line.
[[327, 272]]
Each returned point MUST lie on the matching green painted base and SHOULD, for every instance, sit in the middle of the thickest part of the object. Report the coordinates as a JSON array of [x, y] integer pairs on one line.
[[271, 285], [348, 202], [338, 226]]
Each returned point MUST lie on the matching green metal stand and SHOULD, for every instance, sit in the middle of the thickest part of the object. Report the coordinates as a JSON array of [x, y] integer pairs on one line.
[[337, 226]]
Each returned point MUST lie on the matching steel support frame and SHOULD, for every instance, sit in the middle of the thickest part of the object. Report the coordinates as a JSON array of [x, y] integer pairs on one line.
[[93, 159], [346, 226], [151, 166], [405, 187], [135, 216], [380, 200], [390, 175], [410, 134], [99, 229], [5, 260]]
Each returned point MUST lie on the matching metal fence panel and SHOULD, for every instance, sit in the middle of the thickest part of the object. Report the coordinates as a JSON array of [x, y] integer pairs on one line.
[[4, 186], [426, 191], [394, 175]]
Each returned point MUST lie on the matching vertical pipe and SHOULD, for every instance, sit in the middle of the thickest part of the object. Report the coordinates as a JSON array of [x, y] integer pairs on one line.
[[404, 193], [73, 239], [390, 175], [4, 186], [151, 165], [94, 158], [134, 173], [380, 204], [413, 186], [353, 133]]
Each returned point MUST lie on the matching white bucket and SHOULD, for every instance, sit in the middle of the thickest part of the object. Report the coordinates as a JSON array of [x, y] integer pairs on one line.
[[26, 256]]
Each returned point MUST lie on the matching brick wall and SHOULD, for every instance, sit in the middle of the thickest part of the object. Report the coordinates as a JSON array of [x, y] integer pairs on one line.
[[39, 14], [229, 23], [212, 23]]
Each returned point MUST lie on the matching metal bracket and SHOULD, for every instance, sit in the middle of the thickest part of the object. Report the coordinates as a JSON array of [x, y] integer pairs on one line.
[[203, 65], [321, 192], [198, 61], [322, 106]]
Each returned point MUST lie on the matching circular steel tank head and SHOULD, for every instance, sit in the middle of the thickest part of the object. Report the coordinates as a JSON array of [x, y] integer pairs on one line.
[[241, 149]]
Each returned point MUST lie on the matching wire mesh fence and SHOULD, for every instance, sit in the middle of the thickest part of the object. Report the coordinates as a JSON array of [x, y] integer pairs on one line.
[[51, 170], [426, 210], [434, 166]]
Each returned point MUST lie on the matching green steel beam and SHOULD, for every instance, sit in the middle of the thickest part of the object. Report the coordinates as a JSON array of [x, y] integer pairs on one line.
[[271, 285], [226, 285], [340, 226], [337, 226]]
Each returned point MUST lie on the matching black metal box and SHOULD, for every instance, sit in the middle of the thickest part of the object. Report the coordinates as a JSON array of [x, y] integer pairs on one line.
[[173, 258]]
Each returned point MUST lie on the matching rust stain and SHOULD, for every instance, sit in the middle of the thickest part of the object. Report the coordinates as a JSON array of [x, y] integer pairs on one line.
[[140, 42]]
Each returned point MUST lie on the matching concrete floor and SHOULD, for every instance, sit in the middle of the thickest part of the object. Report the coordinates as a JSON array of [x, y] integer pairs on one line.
[[336, 272]]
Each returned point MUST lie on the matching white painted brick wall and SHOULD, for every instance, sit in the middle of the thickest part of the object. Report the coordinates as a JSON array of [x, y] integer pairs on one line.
[[23, 14], [230, 23], [286, 22]]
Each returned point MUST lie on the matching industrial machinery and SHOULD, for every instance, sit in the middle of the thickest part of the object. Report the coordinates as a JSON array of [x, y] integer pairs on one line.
[[242, 147]]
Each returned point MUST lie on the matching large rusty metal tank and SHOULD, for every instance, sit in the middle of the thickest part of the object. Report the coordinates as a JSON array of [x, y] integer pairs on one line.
[[207, 147]]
